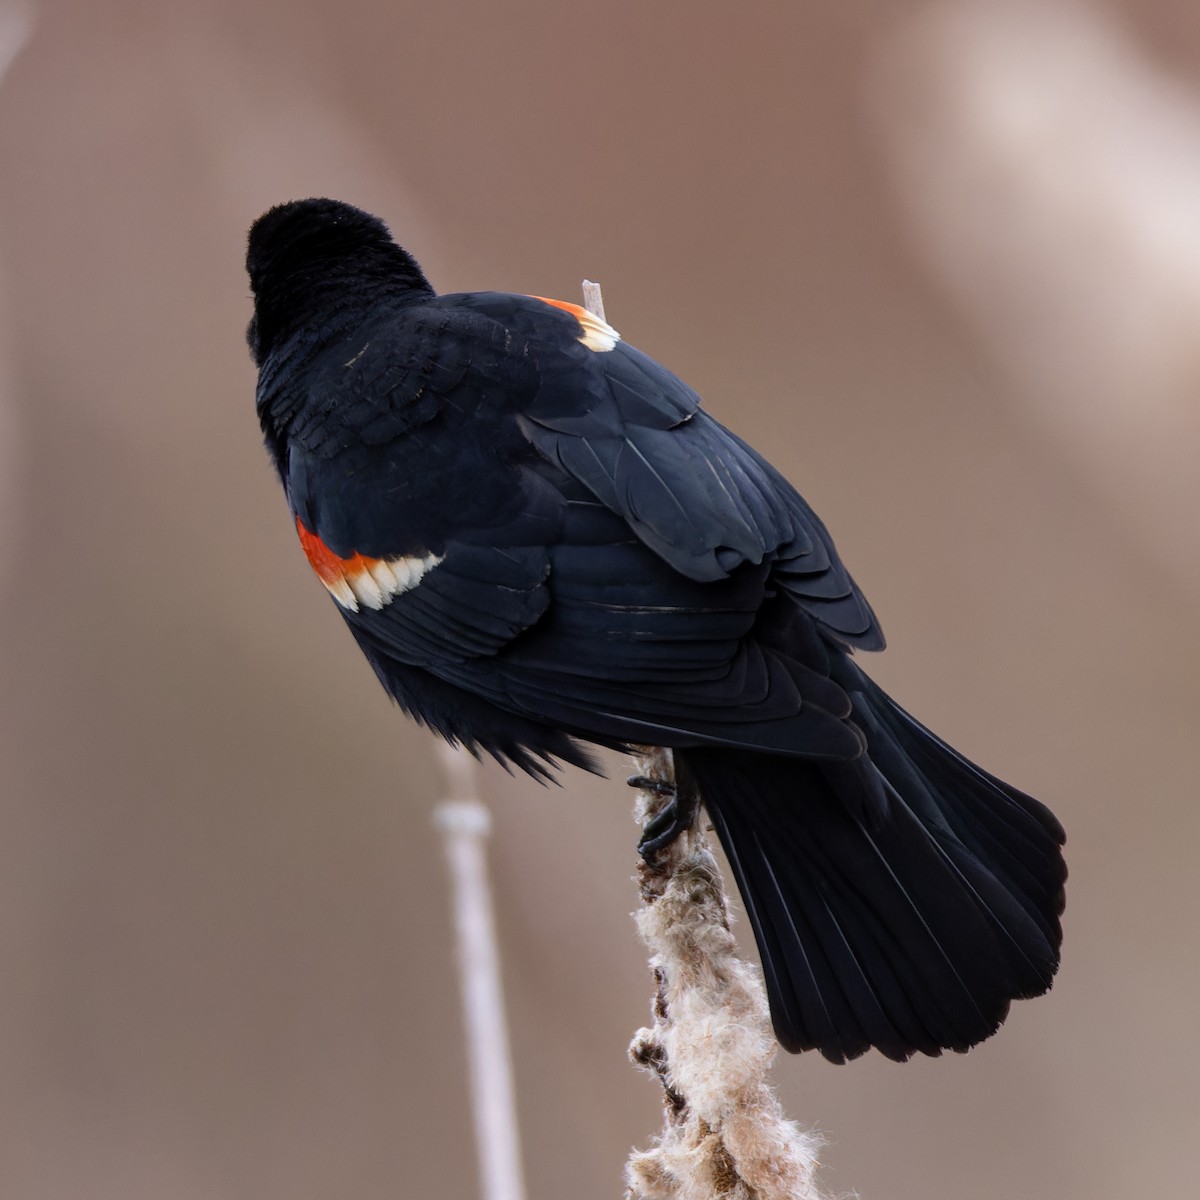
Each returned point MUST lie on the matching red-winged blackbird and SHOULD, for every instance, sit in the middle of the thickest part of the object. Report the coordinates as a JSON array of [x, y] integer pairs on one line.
[[537, 538]]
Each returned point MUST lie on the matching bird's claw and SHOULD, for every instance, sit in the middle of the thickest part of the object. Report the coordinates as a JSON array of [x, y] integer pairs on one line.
[[647, 783], [677, 817]]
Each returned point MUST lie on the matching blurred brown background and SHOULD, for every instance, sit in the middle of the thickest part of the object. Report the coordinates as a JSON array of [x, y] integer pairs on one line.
[[941, 261]]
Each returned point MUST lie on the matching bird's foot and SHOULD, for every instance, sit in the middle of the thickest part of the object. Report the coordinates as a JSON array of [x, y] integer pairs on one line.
[[647, 783], [676, 817]]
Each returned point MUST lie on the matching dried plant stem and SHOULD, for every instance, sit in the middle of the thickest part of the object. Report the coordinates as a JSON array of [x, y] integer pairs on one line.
[[465, 824], [593, 301], [711, 1046]]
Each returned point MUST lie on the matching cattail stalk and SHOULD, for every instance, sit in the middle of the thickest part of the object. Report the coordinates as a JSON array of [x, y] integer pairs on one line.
[[465, 824], [724, 1134]]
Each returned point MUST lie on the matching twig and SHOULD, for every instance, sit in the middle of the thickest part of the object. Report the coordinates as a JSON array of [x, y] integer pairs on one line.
[[465, 824]]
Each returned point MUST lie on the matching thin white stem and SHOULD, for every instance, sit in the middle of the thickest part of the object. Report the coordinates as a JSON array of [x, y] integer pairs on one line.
[[593, 301], [465, 825]]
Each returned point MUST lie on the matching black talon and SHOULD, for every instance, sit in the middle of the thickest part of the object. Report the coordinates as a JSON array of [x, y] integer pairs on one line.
[[676, 818], [647, 783]]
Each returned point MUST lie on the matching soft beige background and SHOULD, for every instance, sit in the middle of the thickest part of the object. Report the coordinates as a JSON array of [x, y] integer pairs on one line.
[[942, 262]]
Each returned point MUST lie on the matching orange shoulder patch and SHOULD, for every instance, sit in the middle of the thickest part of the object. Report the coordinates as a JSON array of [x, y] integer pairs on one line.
[[595, 334], [360, 581]]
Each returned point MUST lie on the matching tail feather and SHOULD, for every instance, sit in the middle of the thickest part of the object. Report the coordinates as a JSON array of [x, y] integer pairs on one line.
[[1015, 835], [842, 937], [908, 926]]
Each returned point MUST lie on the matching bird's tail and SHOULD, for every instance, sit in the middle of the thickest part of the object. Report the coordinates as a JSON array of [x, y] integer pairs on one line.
[[905, 916]]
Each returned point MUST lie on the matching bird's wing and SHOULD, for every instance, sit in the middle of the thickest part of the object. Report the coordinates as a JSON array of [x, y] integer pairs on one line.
[[632, 650], [634, 434]]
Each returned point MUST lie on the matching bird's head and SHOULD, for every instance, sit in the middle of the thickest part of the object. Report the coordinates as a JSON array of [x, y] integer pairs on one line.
[[309, 255]]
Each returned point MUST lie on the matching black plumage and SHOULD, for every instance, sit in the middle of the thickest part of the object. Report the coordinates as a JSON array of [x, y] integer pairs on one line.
[[571, 550]]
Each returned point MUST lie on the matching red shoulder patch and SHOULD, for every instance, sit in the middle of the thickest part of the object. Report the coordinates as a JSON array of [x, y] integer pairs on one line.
[[595, 334], [359, 580]]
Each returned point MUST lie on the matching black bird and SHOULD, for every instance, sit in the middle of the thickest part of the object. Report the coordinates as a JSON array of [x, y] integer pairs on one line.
[[538, 538]]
